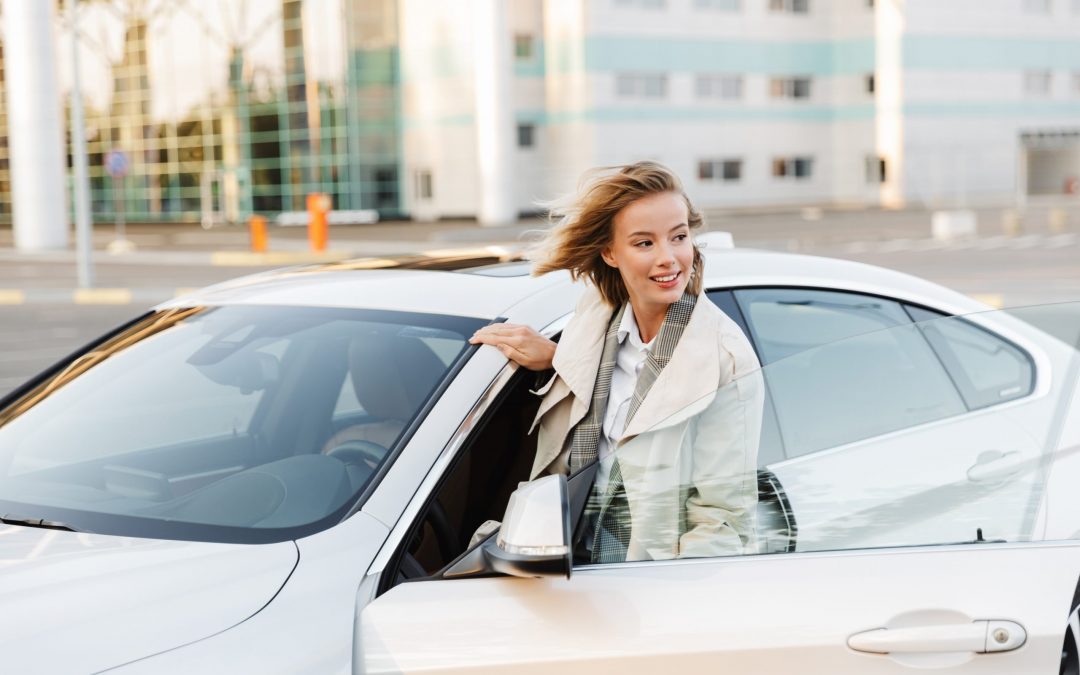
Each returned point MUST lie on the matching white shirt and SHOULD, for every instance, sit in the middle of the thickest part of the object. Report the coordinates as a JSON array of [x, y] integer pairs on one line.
[[628, 363]]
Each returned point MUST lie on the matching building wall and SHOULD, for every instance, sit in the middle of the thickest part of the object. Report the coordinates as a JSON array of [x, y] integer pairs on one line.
[[974, 76], [373, 101]]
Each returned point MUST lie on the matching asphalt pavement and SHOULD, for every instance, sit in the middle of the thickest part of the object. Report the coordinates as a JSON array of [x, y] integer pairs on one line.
[[45, 315]]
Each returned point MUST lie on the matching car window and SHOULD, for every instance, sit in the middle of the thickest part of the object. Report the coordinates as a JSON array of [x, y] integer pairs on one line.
[[914, 388], [784, 321], [687, 487], [214, 423], [347, 402], [986, 368]]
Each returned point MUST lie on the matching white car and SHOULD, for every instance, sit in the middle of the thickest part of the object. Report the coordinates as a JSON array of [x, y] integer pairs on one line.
[[281, 474]]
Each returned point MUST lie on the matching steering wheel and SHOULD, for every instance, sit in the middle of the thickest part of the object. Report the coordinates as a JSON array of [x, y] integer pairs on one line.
[[369, 455], [356, 451]]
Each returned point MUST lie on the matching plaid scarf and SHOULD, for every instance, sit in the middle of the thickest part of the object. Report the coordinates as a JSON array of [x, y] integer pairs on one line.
[[611, 510]]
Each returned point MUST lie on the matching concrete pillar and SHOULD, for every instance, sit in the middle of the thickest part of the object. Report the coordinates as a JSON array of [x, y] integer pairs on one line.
[[495, 130], [890, 28], [35, 126]]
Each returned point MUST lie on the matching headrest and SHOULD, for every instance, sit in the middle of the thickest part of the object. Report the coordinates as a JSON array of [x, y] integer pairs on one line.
[[392, 375]]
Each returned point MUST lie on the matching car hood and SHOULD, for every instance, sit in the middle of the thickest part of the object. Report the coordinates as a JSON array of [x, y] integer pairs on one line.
[[85, 602]]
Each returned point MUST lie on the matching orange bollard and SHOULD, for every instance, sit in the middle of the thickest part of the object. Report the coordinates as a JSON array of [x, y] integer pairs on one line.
[[259, 239], [318, 206]]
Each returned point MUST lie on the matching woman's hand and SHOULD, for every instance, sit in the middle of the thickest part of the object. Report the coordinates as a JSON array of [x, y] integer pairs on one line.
[[520, 344]]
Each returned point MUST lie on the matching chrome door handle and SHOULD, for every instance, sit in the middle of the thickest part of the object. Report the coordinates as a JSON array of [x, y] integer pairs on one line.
[[994, 465], [978, 636]]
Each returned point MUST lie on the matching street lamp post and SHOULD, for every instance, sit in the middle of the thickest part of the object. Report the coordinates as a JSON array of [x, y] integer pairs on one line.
[[83, 246]]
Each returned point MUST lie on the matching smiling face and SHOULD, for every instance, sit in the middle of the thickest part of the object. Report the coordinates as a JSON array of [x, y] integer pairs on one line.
[[652, 250]]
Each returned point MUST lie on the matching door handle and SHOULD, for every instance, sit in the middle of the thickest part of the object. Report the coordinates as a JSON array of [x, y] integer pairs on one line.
[[993, 466], [978, 636]]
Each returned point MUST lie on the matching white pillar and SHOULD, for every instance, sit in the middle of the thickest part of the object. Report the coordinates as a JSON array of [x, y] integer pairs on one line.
[[495, 131], [35, 126]]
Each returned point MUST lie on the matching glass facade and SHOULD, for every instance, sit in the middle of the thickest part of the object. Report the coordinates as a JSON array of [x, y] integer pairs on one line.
[[224, 108]]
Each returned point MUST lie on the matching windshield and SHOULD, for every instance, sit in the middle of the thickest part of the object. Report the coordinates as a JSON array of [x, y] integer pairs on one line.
[[236, 423], [943, 431]]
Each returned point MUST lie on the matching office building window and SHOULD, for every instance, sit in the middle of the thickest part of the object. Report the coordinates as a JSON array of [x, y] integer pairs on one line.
[[721, 86], [1076, 82], [423, 184], [720, 5], [1037, 6], [1037, 82], [641, 85], [726, 170], [790, 6], [793, 168], [790, 87], [524, 47], [876, 169], [869, 84], [526, 135]]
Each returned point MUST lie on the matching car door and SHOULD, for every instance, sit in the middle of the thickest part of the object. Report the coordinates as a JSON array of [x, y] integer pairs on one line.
[[899, 387], [768, 614], [974, 605]]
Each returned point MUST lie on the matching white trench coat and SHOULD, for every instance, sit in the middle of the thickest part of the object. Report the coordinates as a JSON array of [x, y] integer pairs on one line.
[[689, 455]]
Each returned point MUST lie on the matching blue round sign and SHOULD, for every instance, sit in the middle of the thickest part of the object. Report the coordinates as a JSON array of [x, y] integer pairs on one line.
[[116, 163]]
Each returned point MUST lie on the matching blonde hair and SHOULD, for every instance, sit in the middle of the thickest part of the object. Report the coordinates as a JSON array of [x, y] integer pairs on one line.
[[585, 225]]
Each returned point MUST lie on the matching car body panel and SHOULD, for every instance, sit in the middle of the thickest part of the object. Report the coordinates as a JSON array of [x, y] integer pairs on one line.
[[753, 614], [306, 629], [413, 291], [107, 600]]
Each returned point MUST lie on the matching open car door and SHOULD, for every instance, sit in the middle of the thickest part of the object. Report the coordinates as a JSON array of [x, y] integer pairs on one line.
[[879, 556]]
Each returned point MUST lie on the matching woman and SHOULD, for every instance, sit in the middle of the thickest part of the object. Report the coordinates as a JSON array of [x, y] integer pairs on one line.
[[652, 381]]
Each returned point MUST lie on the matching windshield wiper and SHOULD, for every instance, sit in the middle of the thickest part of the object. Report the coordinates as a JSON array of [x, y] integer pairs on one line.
[[9, 519]]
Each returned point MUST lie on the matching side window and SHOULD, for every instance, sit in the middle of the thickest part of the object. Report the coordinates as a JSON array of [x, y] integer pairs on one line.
[[986, 368], [785, 321], [884, 381]]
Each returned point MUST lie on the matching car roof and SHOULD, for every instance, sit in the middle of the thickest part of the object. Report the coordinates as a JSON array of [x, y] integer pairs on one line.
[[485, 283]]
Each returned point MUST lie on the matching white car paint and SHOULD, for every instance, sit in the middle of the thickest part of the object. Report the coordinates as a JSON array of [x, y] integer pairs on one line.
[[87, 602], [767, 614], [755, 614]]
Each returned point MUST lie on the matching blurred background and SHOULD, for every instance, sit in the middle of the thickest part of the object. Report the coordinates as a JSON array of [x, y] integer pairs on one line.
[[940, 138]]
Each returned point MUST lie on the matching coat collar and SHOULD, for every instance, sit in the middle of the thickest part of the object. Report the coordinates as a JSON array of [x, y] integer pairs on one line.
[[692, 374], [578, 357]]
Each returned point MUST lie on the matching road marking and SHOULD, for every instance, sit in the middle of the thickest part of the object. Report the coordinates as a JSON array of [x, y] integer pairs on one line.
[[12, 296], [992, 299], [101, 296]]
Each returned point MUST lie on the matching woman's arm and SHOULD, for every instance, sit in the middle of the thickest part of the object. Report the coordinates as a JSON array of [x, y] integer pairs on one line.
[[520, 344]]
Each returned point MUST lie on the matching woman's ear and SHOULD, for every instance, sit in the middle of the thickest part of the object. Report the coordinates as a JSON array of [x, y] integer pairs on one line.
[[605, 253]]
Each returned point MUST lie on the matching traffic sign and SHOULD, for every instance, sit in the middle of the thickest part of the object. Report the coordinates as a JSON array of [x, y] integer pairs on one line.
[[116, 163]]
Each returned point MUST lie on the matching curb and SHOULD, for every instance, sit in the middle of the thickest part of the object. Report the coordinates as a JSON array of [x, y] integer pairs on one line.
[[90, 296]]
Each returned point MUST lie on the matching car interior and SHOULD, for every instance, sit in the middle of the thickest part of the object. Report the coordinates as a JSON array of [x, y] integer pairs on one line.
[[488, 468]]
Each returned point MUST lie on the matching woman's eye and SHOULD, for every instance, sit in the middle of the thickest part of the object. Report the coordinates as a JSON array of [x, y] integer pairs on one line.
[[643, 244], [681, 237]]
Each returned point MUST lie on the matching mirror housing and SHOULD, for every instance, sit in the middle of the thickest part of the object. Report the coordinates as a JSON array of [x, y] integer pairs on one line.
[[534, 539]]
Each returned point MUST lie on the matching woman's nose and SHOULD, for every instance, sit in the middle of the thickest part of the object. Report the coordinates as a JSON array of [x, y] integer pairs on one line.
[[665, 255]]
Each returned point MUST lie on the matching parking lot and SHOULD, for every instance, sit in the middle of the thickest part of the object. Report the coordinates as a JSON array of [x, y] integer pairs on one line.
[[43, 315]]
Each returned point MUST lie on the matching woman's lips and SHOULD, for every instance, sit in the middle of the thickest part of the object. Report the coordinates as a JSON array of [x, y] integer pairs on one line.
[[672, 280]]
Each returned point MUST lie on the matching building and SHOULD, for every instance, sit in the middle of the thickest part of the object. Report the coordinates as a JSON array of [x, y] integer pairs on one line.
[[224, 109]]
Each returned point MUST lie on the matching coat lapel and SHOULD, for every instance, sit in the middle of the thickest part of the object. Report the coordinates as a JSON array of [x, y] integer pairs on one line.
[[691, 376], [577, 359]]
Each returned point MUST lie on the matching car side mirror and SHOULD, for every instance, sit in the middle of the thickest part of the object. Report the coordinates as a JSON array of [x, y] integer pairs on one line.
[[534, 539]]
